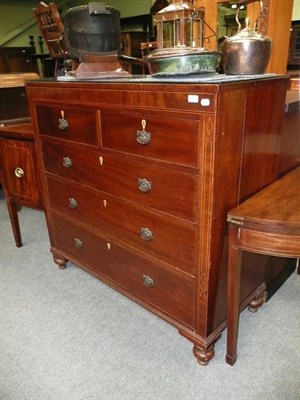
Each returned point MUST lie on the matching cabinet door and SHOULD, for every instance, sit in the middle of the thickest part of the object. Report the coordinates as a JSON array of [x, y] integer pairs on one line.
[[21, 178]]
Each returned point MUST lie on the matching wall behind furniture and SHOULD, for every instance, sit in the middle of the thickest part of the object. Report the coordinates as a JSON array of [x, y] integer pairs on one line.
[[296, 10]]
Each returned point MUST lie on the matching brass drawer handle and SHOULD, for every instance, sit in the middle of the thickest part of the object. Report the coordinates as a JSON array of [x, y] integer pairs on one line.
[[78, 243], [62, 122], [67, 162], [72, 202], [148, 281], [144, 185], [146, 234], [143, 137], [19, 172]]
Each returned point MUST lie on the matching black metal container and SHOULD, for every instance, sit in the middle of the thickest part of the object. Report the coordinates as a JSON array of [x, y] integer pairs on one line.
[[92, 29]]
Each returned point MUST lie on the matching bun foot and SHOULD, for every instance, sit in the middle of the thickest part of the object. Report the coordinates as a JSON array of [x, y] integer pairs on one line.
[[204, 355], [60, 261], [257, 302]]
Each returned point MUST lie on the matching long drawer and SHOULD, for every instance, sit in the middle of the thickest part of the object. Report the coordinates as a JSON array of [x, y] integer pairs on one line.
[[166, 290], [171, 191], [171, 239], [166, 138]]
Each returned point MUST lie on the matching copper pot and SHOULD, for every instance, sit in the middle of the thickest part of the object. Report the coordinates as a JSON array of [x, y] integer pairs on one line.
[[248, 52]]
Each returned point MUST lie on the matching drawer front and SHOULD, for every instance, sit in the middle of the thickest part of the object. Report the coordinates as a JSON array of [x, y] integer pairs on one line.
[[169, 239], [69, 123], [165, 290], [20, 173], [168, 190], [158, 137]]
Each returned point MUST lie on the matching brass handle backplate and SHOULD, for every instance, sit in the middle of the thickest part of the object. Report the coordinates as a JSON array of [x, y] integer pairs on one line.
[[72, 202], [19, 172], [148, 281], [144, 185], [67, 162], [62, 122], [143, 137], [146, 234], [78, 243]]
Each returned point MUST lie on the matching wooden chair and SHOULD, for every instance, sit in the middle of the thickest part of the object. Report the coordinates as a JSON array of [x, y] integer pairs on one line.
[[52, 27], [267, 223]]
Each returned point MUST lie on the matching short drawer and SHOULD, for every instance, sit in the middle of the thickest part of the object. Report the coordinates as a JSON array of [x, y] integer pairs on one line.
[[167, 291], [164, 189], [155, 136], [70, 123], [167, 238]]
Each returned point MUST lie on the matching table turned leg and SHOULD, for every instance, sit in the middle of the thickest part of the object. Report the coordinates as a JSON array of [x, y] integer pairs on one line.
[[233, 293]]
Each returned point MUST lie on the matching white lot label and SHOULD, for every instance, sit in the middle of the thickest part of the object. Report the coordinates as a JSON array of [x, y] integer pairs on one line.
[[193, 98]]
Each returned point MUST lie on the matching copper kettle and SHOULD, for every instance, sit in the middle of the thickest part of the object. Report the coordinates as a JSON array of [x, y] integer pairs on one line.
[[248, 52]]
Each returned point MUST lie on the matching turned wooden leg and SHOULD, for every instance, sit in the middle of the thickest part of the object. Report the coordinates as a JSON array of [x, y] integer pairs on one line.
[[14, 221], [233, 293], [204, 355]]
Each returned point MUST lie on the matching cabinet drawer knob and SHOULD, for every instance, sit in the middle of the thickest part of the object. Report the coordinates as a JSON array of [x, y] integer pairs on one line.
[[146, 234], [148, 281], [67, 162], [62, 122], [143, 137], [78, 243], [72, 202], [144, 185], [19, 172]]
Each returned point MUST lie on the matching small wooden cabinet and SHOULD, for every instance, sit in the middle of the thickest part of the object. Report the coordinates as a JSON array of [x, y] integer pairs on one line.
[[138, 179], [20, 176]]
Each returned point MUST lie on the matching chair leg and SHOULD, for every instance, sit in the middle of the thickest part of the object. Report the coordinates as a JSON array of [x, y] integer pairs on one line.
[[233, 294]]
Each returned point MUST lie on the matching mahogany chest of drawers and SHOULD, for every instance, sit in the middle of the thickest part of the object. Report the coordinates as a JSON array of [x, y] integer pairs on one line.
[[138, 178]]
